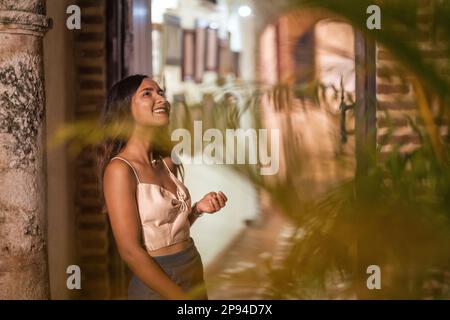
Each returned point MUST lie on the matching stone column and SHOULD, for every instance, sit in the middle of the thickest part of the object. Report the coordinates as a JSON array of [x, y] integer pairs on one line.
[[23, 252]]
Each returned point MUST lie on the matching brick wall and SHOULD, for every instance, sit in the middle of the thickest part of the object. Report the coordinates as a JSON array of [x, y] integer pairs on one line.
[[396, 94], [92, 228]]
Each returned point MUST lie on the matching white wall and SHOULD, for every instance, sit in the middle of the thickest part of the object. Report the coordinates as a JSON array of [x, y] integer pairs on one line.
[[213, 232]]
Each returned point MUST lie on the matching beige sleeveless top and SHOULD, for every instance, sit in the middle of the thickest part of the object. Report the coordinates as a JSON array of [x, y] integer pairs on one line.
[[164, 215]]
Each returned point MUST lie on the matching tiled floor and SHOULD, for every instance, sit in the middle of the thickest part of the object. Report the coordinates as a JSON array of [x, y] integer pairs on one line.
[[241, 272]]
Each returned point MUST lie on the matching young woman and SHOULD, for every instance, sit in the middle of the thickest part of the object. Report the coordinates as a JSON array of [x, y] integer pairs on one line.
[[149, 208]]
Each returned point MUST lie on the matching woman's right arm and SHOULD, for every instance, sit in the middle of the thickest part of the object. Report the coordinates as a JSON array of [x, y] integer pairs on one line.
[[118, 186]]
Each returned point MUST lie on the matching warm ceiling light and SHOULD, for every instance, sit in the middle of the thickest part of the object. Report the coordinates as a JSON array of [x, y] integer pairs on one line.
[[244, 11]]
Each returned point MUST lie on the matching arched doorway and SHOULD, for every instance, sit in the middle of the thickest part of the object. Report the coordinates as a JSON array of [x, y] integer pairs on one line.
[[315, 54]]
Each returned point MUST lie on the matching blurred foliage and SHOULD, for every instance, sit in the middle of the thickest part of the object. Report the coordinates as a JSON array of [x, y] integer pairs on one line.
[[400, 223], [397, 216]]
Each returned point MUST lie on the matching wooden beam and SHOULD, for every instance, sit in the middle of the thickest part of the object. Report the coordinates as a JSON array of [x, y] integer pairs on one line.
[[365, 110]]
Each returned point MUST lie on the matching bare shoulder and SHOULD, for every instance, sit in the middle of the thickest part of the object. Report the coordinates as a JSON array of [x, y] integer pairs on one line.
[[117, 171]]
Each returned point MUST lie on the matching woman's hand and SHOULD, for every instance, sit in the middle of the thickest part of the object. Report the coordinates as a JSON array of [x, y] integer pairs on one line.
[[211, 202]]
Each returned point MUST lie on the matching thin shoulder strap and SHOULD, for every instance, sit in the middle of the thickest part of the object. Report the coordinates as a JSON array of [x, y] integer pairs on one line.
[[128, 162], [165, 164]]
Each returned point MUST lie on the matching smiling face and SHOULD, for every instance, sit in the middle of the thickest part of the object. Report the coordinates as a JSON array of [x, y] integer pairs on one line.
[[149, 106]]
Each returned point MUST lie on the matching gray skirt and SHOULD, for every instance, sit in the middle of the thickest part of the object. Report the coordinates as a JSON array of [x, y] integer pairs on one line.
[[185, 268]]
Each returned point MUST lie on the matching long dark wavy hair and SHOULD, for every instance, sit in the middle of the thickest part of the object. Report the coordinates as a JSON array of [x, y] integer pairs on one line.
[[116, 123]]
